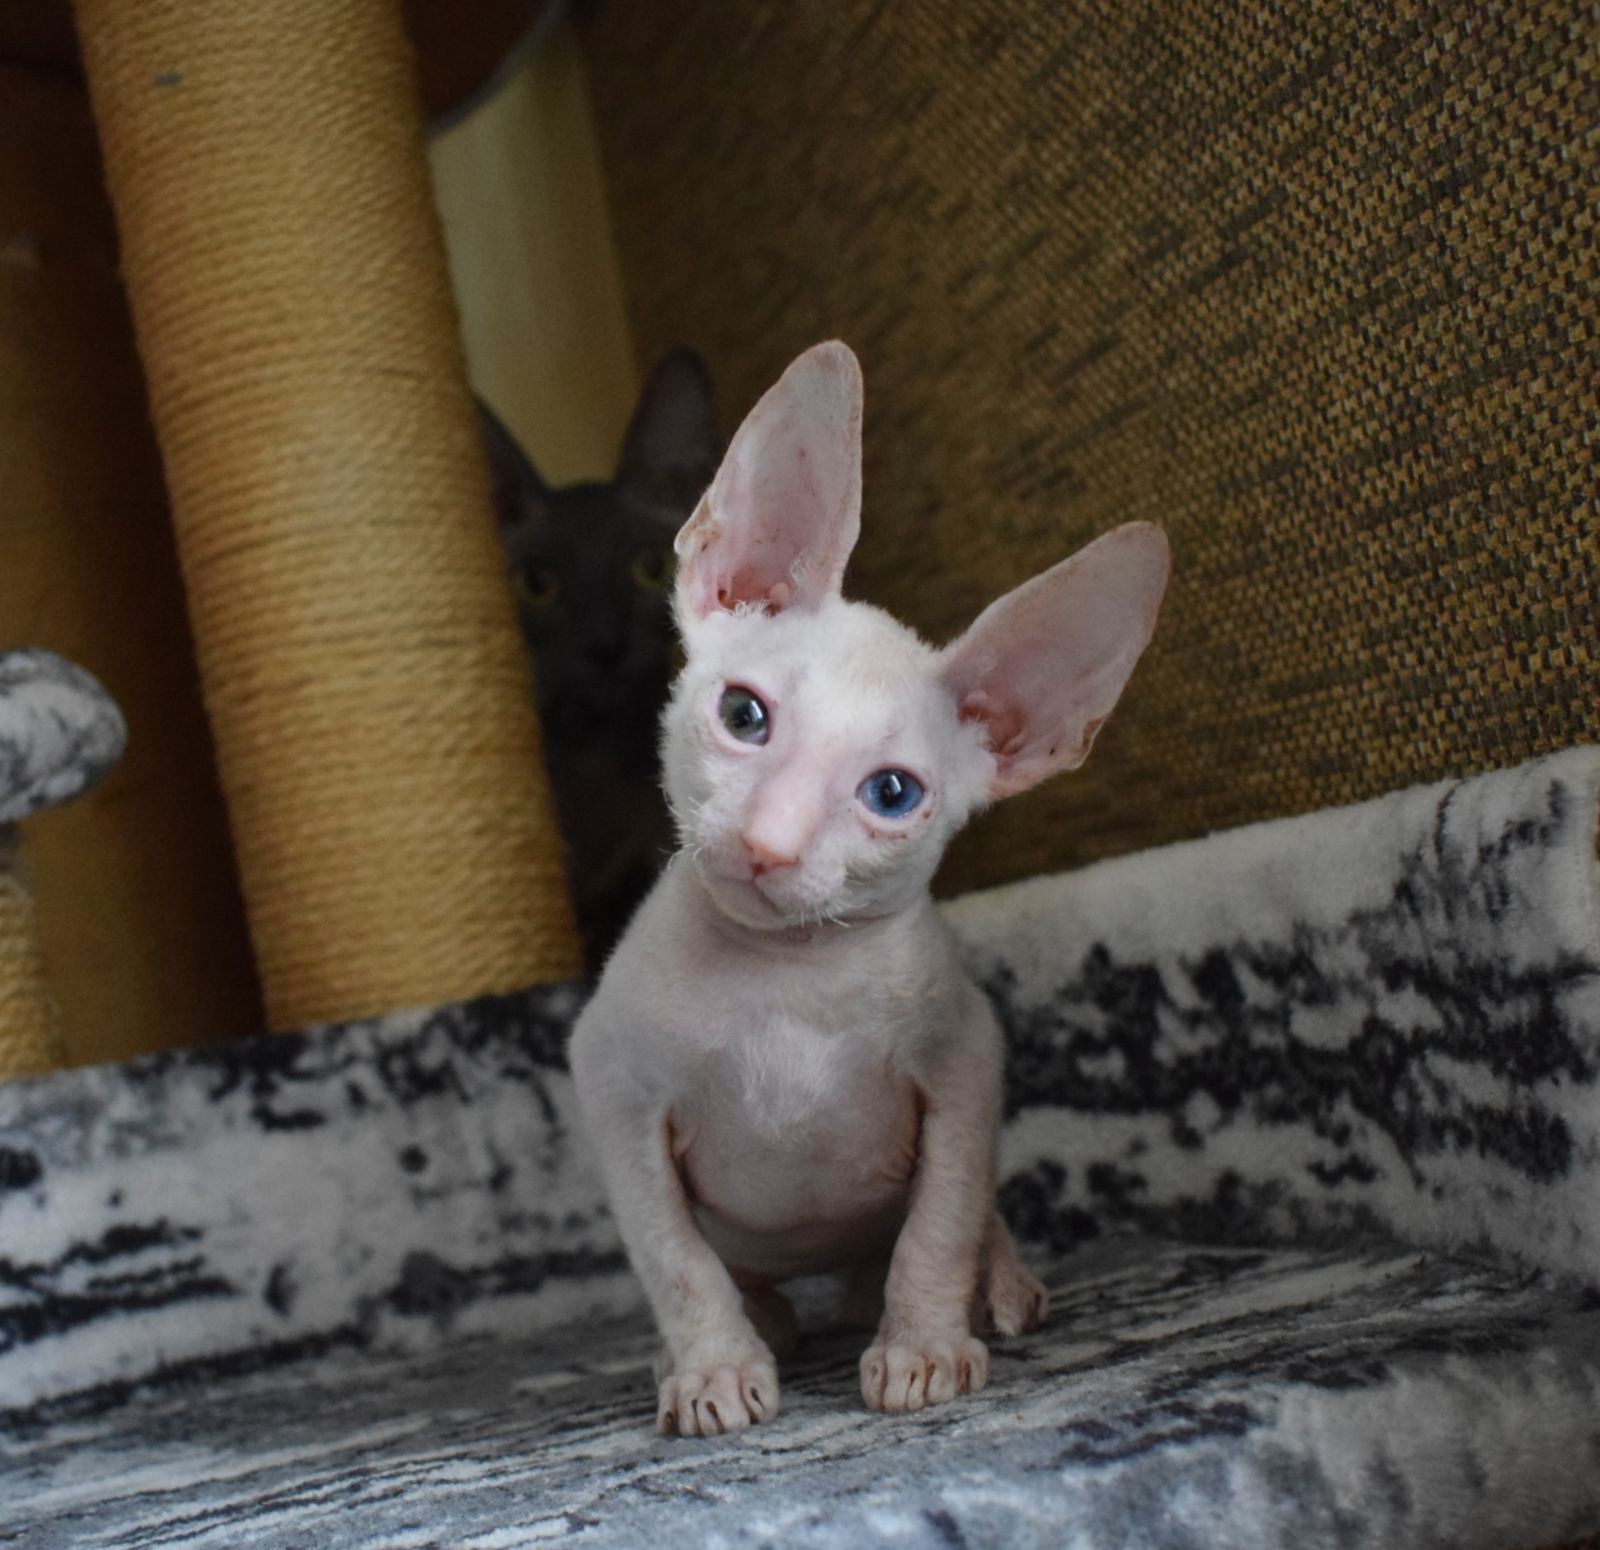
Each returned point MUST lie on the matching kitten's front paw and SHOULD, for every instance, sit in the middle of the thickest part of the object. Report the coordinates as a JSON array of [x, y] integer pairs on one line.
[[708, 1399], [908, 1372]]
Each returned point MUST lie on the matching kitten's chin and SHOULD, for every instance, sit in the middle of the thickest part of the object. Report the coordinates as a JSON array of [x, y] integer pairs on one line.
[[746, 903]]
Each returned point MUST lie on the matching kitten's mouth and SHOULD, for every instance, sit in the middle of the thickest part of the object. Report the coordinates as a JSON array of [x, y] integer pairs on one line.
[[761, 900], [769, 888]]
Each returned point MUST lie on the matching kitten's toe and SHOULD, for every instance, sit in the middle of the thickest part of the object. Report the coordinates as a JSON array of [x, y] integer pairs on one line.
[[908, 1373], [708, 1401]]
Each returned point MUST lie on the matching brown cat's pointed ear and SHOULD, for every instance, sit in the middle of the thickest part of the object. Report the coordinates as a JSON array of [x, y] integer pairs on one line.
[[670, 452], [776, 528], [520, 495], [1042, 667]]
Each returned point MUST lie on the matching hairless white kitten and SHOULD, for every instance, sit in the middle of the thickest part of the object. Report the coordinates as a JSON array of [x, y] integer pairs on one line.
[[785, 1068]]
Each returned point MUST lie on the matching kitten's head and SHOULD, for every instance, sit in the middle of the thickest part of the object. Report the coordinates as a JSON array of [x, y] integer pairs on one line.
[[591, 564], [818, 756]]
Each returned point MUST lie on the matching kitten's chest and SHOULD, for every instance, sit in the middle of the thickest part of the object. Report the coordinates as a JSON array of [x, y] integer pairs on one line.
[[797, 1124], [791, 1081]]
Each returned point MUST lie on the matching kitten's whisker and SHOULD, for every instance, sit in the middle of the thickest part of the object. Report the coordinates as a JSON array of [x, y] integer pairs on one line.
[[685, 811]]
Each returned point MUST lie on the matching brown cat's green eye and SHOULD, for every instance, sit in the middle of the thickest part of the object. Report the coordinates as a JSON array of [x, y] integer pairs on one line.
[[536, 586], [652, 570]]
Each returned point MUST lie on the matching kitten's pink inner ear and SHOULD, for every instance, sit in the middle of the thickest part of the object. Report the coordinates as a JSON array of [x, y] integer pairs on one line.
[[1042, 668], [776, 528]]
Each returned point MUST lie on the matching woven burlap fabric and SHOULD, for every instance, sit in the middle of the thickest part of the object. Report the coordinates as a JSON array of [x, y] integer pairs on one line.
[[30, 1040], [365, 681], [1312, 285]]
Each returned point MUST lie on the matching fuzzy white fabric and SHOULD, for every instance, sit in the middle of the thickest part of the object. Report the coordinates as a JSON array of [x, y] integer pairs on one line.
[[1380, 1017], [59, 732]]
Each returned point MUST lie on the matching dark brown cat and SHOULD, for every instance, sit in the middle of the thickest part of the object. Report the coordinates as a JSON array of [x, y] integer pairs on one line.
[[592, 568]]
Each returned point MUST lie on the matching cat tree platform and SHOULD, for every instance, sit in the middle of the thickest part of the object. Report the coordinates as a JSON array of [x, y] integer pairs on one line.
[[1302, 1129], [1182, 1396]]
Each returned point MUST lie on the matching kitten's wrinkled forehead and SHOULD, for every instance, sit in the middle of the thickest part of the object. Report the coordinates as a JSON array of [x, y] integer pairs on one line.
[[857, 648], [845, 680]]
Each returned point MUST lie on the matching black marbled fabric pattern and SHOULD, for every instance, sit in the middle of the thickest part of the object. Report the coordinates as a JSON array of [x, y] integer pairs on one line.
[[59, 732], [1380, 1018], [384, 1185]]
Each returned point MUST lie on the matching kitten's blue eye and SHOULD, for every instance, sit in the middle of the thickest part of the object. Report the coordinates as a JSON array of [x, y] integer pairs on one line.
[[891, 793], [744, 715]]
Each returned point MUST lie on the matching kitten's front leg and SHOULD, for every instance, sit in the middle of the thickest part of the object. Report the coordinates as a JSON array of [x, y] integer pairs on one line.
[[719, 1376], [925, 1352]]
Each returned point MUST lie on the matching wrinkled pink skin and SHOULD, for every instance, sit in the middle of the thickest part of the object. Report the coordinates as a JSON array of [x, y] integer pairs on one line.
[[785, 1068]]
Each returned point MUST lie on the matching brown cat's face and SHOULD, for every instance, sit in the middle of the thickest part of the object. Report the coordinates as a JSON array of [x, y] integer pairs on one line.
[[592, 569]]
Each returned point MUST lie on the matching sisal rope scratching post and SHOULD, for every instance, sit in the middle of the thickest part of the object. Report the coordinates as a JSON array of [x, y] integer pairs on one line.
[[59, 734], [363, 674], [29, 1037]]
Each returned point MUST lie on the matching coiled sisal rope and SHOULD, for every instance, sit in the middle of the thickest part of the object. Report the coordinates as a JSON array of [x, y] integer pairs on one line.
[[367, 688], [29, 1037]]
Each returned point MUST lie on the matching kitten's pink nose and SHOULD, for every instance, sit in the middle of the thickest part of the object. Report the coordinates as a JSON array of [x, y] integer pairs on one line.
[[766, 856], [781, 822]]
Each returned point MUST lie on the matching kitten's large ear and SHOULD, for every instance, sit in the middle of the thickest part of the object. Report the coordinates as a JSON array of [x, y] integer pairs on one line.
[[519, 493], [670, 453], [778, 523], [1042, 667]]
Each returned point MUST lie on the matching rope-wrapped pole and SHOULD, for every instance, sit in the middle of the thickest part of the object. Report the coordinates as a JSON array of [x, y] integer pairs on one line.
[[29, 1038], [362, 669], [59, 733]]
